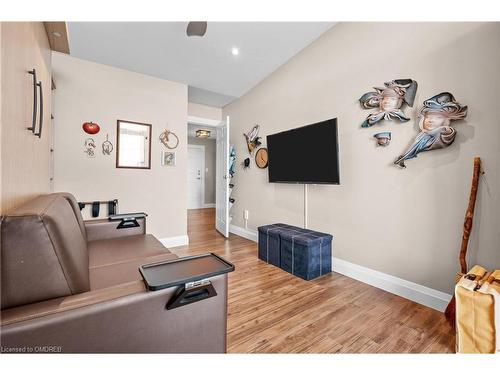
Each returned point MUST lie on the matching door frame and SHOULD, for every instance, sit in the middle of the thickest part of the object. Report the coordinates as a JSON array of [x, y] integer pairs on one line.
[[200, 147], [222, 216], [195, 120]]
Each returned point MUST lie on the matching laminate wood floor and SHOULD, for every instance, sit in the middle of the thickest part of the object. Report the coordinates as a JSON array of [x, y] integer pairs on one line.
[[271, 311]]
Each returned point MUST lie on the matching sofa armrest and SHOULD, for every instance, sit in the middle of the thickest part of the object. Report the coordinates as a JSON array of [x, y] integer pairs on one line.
[[63, 304], [104, 229], [133, 323]]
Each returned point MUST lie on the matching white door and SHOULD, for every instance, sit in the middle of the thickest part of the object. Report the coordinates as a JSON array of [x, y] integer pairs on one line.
[[196, 177], [222, 180]]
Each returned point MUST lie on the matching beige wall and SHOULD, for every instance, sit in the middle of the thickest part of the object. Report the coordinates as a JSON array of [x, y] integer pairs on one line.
[[407, 223], [204, 111], [87, 91], [210, 160], [24, 157]]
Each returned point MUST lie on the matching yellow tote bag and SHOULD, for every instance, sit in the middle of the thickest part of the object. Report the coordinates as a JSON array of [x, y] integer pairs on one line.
[[478, 311]]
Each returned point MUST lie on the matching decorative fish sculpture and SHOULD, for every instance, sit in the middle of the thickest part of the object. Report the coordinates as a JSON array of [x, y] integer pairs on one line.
[[383, 139], [389, 101], [436, 131]]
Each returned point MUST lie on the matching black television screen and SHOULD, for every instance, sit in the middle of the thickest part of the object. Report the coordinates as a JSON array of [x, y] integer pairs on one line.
[[306, 155]]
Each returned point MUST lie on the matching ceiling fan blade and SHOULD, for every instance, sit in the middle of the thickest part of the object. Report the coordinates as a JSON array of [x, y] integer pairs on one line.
[[196, 28]]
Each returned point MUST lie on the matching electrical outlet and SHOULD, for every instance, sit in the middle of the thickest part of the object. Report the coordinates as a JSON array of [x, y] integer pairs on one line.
[[245, 214]]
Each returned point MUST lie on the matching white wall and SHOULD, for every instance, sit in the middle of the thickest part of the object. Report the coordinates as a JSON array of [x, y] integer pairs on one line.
[[202, 111], [87, 91], [407, 223]]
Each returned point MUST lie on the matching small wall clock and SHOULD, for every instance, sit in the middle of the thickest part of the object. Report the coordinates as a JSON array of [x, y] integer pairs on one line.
[[262, 158]]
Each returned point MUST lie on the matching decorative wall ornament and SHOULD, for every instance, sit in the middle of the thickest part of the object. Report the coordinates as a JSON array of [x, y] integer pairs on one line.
[[435, 125], [169, 139], [389, 101], [246, 163], [383, 138], [91, 127], [232, 161], [90, 147], [253, 139], [107, 146], [168, 158]]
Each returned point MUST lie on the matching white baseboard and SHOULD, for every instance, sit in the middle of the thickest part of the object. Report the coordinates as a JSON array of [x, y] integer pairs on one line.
[[245, 233], [175, 241], [426, 296], [415, 292]]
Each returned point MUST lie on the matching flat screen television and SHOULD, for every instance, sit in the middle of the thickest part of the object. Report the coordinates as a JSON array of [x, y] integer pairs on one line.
[[305, 155]]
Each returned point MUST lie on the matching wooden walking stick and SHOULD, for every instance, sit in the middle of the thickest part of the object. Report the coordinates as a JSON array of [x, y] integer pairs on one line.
[[469, 216]]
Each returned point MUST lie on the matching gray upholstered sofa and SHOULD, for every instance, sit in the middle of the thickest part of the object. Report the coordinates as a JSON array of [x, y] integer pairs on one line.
[[70, 285]]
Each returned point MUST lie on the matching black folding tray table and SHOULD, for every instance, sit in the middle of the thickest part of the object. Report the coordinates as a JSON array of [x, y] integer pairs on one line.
[[189, 273]]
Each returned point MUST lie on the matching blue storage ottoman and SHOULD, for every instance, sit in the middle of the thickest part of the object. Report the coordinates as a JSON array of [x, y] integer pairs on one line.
[[306, 253], [270, 242]]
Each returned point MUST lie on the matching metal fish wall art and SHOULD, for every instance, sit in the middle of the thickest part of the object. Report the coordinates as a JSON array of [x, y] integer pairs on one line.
[[389, 101], [383, 138], [435, 121]]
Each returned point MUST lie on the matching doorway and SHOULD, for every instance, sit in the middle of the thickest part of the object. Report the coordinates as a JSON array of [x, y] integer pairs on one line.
[[196, 176], [207, 172]]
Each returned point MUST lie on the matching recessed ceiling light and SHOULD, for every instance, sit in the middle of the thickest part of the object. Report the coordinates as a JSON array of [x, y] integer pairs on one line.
[[56, 34], [235, 51]]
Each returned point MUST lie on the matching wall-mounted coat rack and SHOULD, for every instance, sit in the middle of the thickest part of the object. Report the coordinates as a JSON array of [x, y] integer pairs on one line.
[[37, 88]]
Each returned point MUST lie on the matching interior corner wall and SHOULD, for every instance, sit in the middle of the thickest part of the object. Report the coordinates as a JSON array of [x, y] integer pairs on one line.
[[210, 165], [88, 91], [404, 222]]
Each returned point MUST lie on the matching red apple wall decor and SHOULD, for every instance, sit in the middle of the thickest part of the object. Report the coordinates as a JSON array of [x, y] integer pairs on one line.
[[91, 128]]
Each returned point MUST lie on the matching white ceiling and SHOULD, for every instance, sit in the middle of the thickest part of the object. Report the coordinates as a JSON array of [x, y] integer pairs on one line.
[[215, 77]]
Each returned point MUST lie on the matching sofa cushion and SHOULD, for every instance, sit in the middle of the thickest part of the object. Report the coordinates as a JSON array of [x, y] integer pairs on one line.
[[123, 249], [43, 252], [116, 261], [119, 273]]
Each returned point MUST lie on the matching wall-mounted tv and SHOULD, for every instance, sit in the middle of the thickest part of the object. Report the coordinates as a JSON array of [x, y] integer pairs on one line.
[[305, 155]]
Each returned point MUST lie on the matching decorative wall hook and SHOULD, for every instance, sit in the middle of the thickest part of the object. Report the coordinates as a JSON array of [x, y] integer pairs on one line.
[[107, 146], [169, 139]]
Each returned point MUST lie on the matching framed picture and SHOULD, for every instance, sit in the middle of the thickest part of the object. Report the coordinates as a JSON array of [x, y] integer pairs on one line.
[[133, 145], [168, 158]]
